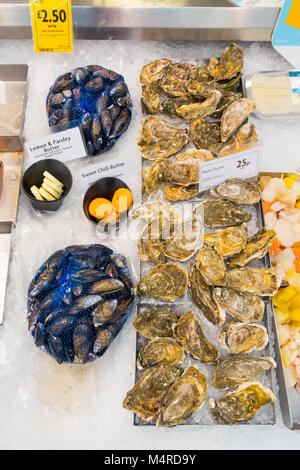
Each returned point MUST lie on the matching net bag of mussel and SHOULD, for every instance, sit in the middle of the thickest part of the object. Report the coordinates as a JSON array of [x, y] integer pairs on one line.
[[94, 98], [78, 301]]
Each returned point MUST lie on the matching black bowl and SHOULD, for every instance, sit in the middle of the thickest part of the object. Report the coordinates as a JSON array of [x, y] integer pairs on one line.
[[34, 176], [104, 187]]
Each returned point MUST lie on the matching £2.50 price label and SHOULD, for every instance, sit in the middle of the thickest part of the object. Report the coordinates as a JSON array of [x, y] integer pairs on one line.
[[52, 25]]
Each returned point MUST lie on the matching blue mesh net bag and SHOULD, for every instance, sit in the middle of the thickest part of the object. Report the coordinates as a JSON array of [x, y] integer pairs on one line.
[[94, 98], [78, 301]]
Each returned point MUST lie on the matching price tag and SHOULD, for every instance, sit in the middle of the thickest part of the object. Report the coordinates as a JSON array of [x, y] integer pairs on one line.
[[64, 146], [238, 165], [52, 25], [286, 35]]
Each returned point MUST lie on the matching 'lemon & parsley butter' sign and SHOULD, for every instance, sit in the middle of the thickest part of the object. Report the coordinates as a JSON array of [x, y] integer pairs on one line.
[[52, 25]]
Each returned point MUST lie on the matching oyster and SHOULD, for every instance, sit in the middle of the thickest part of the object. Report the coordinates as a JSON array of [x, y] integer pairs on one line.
[[157, 210], [227, 98], [202, 296], [238, 190], [228, 241], [153, 176], [235, 370], [257, 281], [150, 98], [201, 155], [185, 396], [199, 110], [211, 266], [240, 305], [181, 193], [242, 404], [185, 242], [189, 332], [229, 65], [256, 247], [229, 85], [201, 89], [164, 282], [174, 81], [160, 351], [145, 397], [201, 74], [157, 321], [241, 338], [154, 71], [206, 135], [234, 116], [244, 139], [170, 106], [183, 173], [160, 138], [150, 249], [219, 213]]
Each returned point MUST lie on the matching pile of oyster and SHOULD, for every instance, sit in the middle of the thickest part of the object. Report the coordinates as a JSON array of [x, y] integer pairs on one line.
[[208, 99], [78, 302], [220, 282]]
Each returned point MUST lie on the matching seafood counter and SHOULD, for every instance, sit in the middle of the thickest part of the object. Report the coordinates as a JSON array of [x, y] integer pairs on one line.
[[149, 301]]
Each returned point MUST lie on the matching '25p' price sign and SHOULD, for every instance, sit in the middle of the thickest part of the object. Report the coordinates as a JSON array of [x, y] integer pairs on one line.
[[238, 165], [52, 25]]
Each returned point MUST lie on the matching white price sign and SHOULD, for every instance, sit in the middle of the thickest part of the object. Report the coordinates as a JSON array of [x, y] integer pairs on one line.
[[238, 165], [64, 146]]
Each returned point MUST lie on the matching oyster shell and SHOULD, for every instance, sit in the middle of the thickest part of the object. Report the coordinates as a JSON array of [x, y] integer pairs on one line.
[[228, 66], [185, 242], [211, 266], [242, 404], [170, 106], [189, 332], [181, 193], [257, 281], [145, 397], [184, 173], [164, 282], [174, 81], [199, 110], [240, 305], [153, 176], [238, 190], [185, 396], [201, 155], [219, 213], [241, 338], [201, 89], [154, 71], [201, 74], [206, 135], [160, 351], [150, 98], [157, 210], [202, 296], [256, 247], [157, 321], [244, 139], [150, 249], [235, 370], [234, 116], [161, 139], [228, 241], [227, 98], [229, 85]]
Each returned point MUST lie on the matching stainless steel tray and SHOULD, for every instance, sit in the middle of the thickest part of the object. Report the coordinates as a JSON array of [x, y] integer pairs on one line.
[[289, 398], [247, 91], [13, 92], [203, 417]]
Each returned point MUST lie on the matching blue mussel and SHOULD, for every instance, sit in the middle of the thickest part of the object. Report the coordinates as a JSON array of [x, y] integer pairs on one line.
[[78, 301], [94, 98]]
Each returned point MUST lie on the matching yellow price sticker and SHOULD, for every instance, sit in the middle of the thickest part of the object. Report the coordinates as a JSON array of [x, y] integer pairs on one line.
[[52, 25], [293, 18]]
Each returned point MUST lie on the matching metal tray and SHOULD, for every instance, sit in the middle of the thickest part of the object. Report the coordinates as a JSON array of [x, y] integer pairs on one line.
[[289, 398], [247, 91], [13, 92], [203, 417]]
